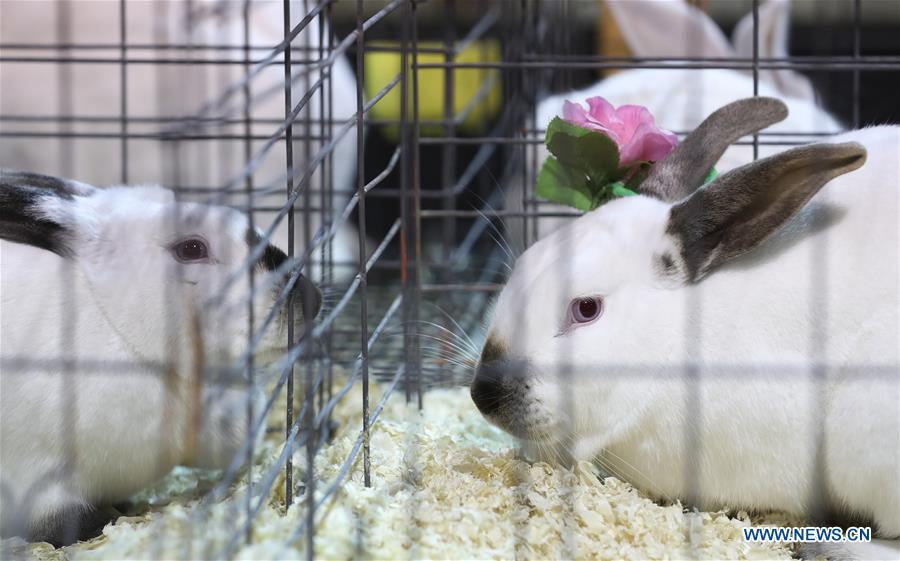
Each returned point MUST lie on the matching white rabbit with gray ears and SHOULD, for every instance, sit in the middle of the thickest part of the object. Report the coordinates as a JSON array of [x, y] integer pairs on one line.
[[120, 309], [727, 345]]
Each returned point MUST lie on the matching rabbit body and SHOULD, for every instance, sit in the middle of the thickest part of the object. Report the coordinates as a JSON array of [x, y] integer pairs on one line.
[[772, 383], [164, 91], [114, 351], [805, 330]]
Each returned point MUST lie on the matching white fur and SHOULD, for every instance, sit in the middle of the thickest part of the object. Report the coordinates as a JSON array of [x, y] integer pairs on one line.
[[92, 433], [680, 98], [824, 290], [166, 90]]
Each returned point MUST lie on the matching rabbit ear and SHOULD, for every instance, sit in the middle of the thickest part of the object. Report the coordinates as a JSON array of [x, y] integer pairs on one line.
[[685, 168], [671, 28], [774, 26], [30, 209], [738, 210]]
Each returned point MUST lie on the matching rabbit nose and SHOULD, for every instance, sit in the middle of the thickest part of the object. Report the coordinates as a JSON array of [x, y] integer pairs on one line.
[[488, 387], [309, 296]]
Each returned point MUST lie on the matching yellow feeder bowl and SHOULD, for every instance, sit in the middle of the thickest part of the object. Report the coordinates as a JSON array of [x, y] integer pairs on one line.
[[477, 92]]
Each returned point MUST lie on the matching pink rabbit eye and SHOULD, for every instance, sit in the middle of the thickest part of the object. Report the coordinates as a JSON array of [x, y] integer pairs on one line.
[[586, 310]]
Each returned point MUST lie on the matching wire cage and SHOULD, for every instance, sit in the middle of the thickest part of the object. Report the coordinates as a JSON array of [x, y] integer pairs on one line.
[[390, 148]]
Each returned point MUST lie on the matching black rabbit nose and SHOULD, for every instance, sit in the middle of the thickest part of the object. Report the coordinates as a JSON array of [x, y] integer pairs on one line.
[[488, 388]]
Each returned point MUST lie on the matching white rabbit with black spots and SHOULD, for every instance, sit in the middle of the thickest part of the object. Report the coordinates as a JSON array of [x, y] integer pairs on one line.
[[122, 312], [729, 345]]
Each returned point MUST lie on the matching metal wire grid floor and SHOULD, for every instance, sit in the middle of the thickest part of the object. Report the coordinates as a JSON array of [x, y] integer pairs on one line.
[[372, 330]]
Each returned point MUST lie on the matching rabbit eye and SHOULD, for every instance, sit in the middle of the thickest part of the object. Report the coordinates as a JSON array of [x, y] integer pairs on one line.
[[586, 310], [191, 250]]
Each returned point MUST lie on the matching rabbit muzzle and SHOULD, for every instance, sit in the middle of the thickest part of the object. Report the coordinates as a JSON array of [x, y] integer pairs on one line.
[[502, 390]]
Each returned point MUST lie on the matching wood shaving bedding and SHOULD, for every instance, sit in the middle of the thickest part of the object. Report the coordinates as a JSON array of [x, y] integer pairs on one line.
[[445, 485]]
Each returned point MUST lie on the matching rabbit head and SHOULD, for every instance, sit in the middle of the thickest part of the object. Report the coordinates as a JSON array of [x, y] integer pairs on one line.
[[168, 278], [607, 295], [676, 29], [681, 97]]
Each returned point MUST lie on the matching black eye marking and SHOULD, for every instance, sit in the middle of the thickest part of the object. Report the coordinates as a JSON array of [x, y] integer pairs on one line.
[[667, 262], [272, 257], [191, 250]]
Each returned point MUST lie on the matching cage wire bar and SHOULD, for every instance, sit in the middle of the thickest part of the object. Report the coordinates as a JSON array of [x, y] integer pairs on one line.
[[423, 278]]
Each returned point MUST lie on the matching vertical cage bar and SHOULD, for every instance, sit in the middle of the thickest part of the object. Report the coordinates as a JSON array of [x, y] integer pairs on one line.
[[324, 191], [857, 51], [407, 234], [69, 324], [248, 188], [305, 37], [529, 172], [312, 439], [363, 280], [123, 89], [529, 165], [448, 156], [417, 200], [289, 186], [328, 250], [171, 168], [755, 69], [64, 88], [448, 152], [566, 45], [817, 352]]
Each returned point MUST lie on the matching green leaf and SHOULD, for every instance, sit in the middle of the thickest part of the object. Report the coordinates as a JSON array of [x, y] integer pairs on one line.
[[561, 184], [593, 152], [710, 175], [619, 189]]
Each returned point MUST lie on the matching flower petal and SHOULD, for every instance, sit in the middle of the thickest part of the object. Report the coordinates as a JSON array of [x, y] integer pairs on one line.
[[647, 144], [574, 114], [601, 110], [635, 115]]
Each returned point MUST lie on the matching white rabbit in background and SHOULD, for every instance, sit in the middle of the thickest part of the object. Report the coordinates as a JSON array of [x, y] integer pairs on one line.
[[680, 98], [699, 340], [117, 329], [157, 90]]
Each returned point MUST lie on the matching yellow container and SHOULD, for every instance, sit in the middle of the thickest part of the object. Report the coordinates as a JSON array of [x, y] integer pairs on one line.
[[477, 91]]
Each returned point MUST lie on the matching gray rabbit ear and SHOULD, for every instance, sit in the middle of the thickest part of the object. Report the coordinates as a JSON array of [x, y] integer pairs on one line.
[[738, 210], [24, 202], [684, 169]]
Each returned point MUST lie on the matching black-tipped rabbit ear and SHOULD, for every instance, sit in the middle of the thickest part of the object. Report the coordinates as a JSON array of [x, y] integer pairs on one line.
[[682, 171], [26, 200], [738, 210]]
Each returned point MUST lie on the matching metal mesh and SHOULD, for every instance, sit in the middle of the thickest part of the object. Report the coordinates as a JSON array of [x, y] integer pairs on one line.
[[197, 97]]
